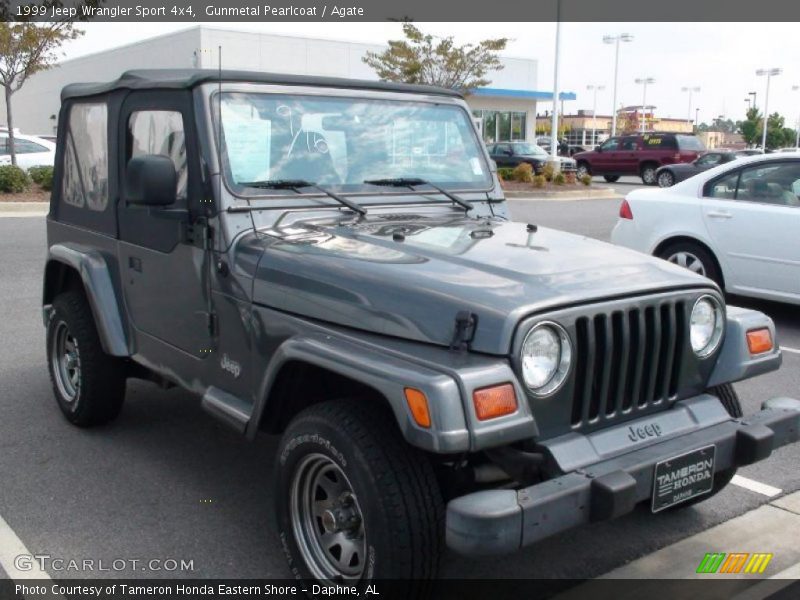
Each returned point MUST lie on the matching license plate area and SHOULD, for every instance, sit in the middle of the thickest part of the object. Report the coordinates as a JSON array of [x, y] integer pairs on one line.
[[683, 477]]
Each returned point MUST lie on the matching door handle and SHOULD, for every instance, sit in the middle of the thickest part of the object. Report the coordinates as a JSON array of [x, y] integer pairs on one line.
[[718, 214], [135, 263]]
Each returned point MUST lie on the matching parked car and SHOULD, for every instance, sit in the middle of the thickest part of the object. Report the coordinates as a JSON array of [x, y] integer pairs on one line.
[[638, 154], [438, 373], [736, 224], [31, 151], [672, 174], [511, 154]]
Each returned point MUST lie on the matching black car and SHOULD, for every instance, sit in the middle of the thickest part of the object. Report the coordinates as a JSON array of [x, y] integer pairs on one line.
[[511, 154], [669, 175]]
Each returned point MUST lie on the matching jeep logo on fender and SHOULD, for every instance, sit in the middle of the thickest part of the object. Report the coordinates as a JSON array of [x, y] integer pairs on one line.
[[643, 432], [231, 366]]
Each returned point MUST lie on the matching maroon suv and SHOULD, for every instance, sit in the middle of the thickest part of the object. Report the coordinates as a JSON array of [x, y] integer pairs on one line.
[[638, 154]]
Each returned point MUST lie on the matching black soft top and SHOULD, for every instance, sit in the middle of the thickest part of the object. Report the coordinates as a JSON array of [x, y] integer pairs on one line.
[[149, 79]]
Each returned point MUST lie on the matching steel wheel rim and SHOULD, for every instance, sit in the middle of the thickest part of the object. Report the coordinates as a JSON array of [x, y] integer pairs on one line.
[[689, 261], [327, 521], [66, 359], [649, 175], [582, 170], [665, 180]]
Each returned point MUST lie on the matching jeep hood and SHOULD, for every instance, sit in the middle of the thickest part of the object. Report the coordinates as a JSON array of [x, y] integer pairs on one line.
[[409, 276]]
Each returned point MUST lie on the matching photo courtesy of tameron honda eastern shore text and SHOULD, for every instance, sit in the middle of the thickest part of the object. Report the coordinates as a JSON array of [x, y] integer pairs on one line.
[[333, 261]]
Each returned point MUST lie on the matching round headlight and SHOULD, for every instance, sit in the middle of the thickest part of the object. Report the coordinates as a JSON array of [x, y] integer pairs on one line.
[[546, 356], [705, 326]]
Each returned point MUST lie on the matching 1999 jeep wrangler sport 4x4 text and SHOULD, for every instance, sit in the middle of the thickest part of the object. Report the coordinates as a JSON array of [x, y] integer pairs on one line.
[[333, 261]]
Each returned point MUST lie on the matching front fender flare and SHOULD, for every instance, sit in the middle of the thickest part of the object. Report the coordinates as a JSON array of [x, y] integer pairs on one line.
[[99, 288], [385, 372]]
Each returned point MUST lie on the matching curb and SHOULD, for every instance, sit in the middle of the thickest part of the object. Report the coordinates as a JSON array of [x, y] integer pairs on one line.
[[24, 209], [589, 194]]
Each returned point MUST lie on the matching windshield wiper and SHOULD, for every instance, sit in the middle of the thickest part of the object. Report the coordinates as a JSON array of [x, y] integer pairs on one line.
[[412, 182], [295, 184]]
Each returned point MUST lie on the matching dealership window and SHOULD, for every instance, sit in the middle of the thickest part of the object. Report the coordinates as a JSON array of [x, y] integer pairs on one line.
[[501, 126], [85, 181], [159, 132]]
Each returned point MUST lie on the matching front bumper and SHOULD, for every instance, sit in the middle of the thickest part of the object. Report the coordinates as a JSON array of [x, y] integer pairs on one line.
[[500, 521]]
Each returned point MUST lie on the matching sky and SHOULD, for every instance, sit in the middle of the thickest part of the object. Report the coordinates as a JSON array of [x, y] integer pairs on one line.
[[720, 58]]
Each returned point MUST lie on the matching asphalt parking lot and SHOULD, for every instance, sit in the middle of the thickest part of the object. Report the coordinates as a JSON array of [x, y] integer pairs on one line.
[[165, 481]]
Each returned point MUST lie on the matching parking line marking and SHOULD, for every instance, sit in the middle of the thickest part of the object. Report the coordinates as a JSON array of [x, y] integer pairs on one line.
[[792, 350], [11, 547], [756, 486]]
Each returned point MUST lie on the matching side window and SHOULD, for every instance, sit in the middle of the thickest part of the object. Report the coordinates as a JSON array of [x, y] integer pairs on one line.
[[610, 144], [28, 147], [723, 187], [159, 132], [504, 149], [630, 144], [85, 181], [709, 159], [773, 184]]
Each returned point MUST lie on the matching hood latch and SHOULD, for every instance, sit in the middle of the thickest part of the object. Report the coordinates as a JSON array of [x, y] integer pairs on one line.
[[466, 323]]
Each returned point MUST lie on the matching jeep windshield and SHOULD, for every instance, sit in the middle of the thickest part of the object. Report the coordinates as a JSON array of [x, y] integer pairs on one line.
[[342, 142]]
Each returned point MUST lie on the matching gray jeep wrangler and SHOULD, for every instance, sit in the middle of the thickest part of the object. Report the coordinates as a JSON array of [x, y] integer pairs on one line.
[[333, 261]]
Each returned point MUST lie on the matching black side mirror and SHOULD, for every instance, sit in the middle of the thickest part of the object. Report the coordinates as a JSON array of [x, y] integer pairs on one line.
[[151, 180]]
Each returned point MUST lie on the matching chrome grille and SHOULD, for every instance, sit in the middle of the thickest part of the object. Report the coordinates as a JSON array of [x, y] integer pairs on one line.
[[627, 360]]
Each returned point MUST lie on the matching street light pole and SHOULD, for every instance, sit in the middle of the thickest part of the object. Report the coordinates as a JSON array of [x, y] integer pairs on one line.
[[696, 117], [690, 90], [643, 81], [616, 39], [753, 94], [797, 131], [595, 89], [554, 121], [769, 74]]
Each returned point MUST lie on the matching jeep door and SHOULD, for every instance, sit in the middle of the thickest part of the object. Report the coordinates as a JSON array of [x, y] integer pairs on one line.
[[164, 275], [628, 155]]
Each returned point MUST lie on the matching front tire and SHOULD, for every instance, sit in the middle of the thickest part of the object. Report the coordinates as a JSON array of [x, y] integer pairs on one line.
[[694, 257], [89, 385], [666, 179], [354, 501], [611, 178], [583, 169]]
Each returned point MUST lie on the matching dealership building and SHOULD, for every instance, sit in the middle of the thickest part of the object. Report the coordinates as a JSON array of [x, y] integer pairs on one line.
[[505, 110]]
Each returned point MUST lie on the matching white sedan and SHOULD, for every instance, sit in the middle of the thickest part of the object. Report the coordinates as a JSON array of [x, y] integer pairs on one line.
[[31, 151], [738, 224]]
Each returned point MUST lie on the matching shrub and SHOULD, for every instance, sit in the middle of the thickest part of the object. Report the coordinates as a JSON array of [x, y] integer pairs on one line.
[[539, 181], [505, 173], [42, 175], [548, 171], [570, 178], [586, 179], [559, 178], [13, 180], [523, 173]]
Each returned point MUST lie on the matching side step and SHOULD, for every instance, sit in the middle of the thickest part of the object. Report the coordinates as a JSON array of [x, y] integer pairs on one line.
[[230, 409]]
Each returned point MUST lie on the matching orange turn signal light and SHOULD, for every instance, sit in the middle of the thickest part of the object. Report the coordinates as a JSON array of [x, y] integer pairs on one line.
[[759, 341], [495, 401], [418, 405]]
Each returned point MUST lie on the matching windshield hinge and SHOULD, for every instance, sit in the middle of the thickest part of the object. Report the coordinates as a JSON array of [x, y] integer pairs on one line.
[[466, 323]]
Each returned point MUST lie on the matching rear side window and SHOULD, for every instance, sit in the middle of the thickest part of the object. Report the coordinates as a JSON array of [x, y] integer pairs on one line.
[[159, 132], [659, 142], [689, 142], [630, 144], [85, 181]]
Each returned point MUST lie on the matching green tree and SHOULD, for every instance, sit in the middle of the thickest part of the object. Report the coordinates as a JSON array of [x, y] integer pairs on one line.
[[428, 59], [751, 127], [25, 49], [778, 135]]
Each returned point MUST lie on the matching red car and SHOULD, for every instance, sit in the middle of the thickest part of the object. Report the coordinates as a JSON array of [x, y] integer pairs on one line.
[[638, 154]]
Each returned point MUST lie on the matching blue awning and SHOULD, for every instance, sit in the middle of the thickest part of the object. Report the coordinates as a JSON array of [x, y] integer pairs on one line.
[[527, 94]]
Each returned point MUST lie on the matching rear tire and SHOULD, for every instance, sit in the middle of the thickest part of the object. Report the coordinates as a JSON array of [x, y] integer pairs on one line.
[[648, 174], [694, 257], [611, 178], [349, 485], [89, 385]]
